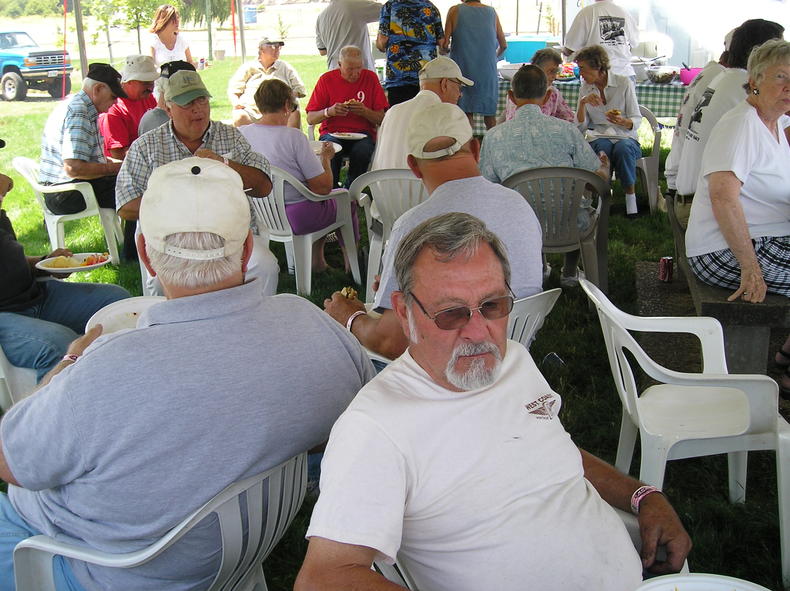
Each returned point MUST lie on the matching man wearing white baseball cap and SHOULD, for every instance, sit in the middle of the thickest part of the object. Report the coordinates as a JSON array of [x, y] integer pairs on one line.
[[188, 403], [441, 81], [443, 153], [191, 132]]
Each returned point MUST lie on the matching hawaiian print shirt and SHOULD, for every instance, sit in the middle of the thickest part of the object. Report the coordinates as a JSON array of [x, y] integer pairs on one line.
[[413, 28]]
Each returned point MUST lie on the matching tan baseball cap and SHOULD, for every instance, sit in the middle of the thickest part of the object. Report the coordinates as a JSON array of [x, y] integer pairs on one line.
[[195, 195], [444, 67], [185, 86], [139, 67], [441, 120]]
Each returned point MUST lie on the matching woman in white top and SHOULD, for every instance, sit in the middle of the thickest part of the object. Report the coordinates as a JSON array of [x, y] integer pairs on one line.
[[738, 235], [166, 43], [287, 148], [609, 114]]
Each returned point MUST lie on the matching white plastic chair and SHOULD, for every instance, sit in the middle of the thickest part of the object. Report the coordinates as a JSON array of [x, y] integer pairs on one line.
[[270, 500], [647, 166], [393, 191], [270, 213], [528, 314], [111, 223], [555, 194], [689, 415], [15, 382]]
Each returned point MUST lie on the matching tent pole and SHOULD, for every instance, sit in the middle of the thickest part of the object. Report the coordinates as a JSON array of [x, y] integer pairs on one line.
[[240, 16]]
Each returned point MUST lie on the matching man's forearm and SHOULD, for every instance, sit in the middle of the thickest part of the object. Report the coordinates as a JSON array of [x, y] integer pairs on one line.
[[253, 178], [614, 487], [81, 169], [130, 210], [382, 335]]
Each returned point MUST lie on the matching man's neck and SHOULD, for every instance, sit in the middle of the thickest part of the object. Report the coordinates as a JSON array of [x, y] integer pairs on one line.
[[173, 292], [191, 145], [521, 102], [266, 66], [438, 173]]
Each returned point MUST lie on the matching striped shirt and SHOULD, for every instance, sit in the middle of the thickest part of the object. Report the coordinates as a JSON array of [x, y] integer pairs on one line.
[[161, 146], [71, 132]]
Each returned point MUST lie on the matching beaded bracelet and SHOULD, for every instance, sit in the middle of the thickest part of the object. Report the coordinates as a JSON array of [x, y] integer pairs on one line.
[[70, 357], [639, 495], [352, 318]]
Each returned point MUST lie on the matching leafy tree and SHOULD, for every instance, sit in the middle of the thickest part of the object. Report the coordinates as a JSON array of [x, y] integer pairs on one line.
[[13, 8], [195, 10], [105, 12], [42, 7], [138, 13]]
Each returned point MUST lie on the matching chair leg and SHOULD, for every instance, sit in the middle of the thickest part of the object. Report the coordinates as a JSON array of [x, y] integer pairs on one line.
[[783, 498], [374, 264], [351, 251], [289, 257], [654, 462], [626, 443], [590, 262], [736, 468], [55, 233], [303, 263], [107, 218]]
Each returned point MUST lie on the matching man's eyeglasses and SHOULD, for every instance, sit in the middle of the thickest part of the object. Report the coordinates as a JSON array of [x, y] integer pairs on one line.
[[458, 317]]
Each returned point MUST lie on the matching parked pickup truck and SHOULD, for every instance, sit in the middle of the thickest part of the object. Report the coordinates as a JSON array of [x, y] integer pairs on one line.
[[25, 65]]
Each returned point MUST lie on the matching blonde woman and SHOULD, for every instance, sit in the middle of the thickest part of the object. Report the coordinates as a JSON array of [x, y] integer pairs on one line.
[[166, 43]]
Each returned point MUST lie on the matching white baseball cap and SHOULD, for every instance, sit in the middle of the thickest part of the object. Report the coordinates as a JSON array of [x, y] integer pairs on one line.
[[441, 120], [140, 67], [444, 67], [195, 195]]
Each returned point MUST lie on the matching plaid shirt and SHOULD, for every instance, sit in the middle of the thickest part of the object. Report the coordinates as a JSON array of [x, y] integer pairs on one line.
[[71, 132], [161, 146]]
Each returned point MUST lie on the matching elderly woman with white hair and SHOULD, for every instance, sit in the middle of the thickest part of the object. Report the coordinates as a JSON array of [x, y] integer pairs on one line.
[[738, 235]]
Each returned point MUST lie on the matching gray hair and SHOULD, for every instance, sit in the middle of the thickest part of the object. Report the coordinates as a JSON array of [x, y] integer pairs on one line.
[[349, 51], [774, 52], [193, 274], [545, 55], [530, 82], [448, 236], [89, 83]]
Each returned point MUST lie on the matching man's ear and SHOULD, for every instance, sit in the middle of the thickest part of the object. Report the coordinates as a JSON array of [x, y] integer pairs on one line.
[[398, 301], [412, 163], [143, 255]]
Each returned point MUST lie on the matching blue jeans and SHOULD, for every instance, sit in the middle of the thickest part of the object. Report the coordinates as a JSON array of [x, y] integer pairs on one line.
[[359, 153], [14, 529], [38, 336], [623, 155]]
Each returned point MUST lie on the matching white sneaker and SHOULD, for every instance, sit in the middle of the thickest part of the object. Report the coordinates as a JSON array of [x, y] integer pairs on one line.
[[546, 272], [572, 280]]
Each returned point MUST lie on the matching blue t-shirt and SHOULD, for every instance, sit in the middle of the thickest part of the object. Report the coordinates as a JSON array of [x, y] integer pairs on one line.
[[413, 28]]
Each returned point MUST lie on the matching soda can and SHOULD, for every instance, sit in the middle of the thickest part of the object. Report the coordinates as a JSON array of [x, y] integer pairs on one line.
[[665, 269], [201, 63]]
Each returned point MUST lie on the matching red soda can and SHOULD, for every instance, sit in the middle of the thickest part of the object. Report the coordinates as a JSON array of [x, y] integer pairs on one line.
[[665, 269]]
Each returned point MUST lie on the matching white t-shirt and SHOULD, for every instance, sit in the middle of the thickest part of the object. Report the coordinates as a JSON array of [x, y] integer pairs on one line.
[[741, 143], [723, 93], [473, 490], [286, 148], [162, 54], [691, 97], [620, 94], [610, 26], [504, 211], [391, 148]]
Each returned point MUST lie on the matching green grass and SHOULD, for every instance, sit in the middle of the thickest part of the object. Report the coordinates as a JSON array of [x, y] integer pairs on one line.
[[740, 541]]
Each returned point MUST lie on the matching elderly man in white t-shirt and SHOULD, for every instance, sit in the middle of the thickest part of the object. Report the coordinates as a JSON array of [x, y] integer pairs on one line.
[[453, 460]]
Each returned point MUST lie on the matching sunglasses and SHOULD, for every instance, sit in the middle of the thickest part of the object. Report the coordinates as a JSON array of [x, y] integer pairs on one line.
[[458, 317]]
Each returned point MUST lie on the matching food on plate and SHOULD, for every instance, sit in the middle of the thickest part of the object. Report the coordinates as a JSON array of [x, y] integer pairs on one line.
[[349, 292], [64, 262], [352, 102], [613, 113], [567, 71]]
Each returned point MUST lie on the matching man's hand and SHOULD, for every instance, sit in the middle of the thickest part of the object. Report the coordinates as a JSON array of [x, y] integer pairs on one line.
[[78, 345], [357, 108], [206, 153], [6, 184], [659, 526], [341, 308], [752, 288], [58, 252], [338, 110]]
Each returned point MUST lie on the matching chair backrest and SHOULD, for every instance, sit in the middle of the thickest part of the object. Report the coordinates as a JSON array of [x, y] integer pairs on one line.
[[271, 500], [15, 382], [651, 119], [555, 194], [29, 170], [394, 191], [270, 210], [616, 324], [528, 314]]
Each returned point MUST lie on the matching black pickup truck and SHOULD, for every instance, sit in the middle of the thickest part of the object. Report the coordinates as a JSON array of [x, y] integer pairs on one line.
[[26, 65]]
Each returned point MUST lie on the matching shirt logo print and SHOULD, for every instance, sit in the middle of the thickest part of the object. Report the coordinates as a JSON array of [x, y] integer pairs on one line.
[[543, 407]]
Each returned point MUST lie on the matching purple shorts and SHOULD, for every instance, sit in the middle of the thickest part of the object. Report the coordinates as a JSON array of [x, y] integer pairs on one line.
[[308, 216]]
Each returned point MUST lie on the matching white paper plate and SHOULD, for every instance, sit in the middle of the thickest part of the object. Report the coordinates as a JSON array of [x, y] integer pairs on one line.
[[698, 582], [348, 135], [79, 256], [122, 314], [316, 146]]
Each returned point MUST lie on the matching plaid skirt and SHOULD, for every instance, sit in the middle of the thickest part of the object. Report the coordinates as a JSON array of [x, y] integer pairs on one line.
[[721, 268]]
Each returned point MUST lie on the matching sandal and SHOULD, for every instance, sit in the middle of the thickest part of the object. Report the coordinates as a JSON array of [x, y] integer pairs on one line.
[[784, 363]]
